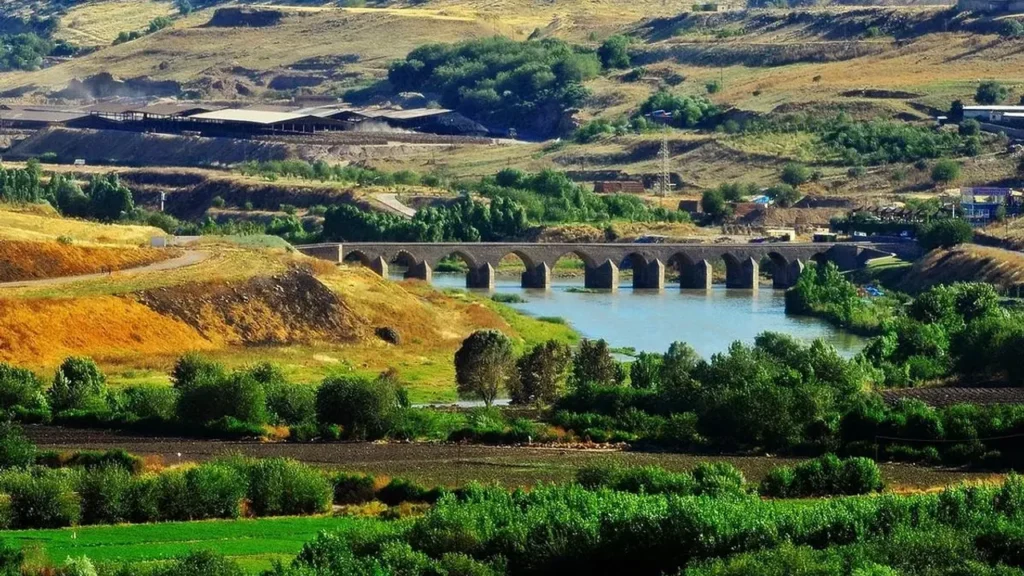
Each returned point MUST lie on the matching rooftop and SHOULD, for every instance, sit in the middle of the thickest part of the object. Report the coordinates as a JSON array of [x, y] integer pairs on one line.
[[999, 108], [249, 116], [175, 108]]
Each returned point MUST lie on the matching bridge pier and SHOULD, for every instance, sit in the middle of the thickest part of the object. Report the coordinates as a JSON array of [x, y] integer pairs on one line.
[[787, 278], [696, 277], [380, 266], [650, 276], [746, 277], [420, 271], [481, 277], [537, 277], [604, 277]]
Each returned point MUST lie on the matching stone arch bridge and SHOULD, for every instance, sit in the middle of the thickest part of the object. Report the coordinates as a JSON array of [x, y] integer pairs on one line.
[[603, 261]]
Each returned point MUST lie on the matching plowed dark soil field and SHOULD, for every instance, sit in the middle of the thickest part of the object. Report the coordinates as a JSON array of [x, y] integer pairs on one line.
[[448, 464]]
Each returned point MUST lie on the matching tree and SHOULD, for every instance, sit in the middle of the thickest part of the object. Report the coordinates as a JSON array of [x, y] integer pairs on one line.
[[193, 370], [483, 365], [990, 92], [956, 111], [945, 233], [363, 408], [614, 52], [78, 385], [645, 371], [540, 373], [795, 174], [109, 198], [969, 127], [945, 170], [593, 365], [18, 387], [783, 194], [712, 202]]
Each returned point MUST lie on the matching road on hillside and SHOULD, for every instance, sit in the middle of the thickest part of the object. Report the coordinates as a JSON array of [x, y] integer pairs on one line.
[[392, 202], [187, 259]]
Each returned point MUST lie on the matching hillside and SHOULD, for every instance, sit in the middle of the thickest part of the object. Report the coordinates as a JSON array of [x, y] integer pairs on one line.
[[967, 263], [36, 260], [244, 303]]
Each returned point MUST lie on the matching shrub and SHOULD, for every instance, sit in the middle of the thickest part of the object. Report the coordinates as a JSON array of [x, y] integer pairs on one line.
[[80, 566], [16, 451], [174, 500], [291, 403], [202, 563], [144, 499], [945, 170], [614, 52], [150, 402], [795, 174], [214, 491], [78, 385], [363, 408], [401, 490], [11, 559], [718, 479], [105, 495], [990, 92], [970, 127], [353, 488], [278, 486], [778, 483], [46, 501], [18, 387]]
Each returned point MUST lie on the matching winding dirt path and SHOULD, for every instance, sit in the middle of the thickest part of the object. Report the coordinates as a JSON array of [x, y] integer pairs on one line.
[[189, 258]]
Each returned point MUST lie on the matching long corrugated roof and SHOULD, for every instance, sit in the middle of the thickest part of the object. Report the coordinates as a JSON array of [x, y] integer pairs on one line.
[[249, 116], [994, 108], [402, 114], [175, 108], [29, 114]]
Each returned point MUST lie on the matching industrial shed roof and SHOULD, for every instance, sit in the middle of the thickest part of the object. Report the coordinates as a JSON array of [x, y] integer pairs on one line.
[[263, 117], [34, 114], [175, 108], [402, 114]]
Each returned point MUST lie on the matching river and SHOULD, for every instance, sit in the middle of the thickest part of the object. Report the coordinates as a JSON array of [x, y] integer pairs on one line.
[[651, 320]]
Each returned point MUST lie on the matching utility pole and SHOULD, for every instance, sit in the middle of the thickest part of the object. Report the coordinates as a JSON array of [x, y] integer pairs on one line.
[[664, 184]]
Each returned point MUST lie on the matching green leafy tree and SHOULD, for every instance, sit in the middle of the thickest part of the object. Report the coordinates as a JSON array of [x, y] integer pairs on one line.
[[645, 371], [19, 387], [593, 365], [784, 195], [483, 365], [795, 174], [990, 92], [614, 52], [109, 199], [945, 233], [78, 385], [712, 202], [364, 408], [540, 373]]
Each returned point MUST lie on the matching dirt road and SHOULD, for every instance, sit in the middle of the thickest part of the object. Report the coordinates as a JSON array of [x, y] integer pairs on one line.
[[187, 259]]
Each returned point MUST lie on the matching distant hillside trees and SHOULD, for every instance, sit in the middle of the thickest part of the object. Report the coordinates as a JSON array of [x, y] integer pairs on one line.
[[614, 52], [990, 92], [523, 85], [686, 111], [24, 51]]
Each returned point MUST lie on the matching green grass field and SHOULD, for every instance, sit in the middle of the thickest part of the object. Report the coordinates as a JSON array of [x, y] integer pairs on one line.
[[253, 543]]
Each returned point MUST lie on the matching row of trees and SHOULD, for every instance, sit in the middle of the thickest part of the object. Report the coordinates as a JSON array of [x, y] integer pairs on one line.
[[104, 198]]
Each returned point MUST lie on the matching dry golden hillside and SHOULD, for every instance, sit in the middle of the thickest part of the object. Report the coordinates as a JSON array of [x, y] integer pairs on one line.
[[34, 260]]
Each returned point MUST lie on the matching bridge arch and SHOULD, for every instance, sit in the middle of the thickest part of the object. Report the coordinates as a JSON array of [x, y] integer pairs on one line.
[[741, 271], [694, 273], [648, 270], [378, 264], [588, 260]]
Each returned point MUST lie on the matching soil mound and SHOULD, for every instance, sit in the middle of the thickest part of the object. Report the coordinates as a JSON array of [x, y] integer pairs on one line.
[[289, 308], [35, 260]]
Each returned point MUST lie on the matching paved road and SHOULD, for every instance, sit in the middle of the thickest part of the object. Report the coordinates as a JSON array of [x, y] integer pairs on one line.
[[187, 259], [391, 202]]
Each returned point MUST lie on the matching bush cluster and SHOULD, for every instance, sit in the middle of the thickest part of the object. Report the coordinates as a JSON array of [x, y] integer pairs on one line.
[[823, 476], [719, 479], [965, 530]]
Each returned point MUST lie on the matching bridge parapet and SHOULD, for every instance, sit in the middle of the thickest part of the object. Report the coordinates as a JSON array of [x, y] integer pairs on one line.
[[603, 261]]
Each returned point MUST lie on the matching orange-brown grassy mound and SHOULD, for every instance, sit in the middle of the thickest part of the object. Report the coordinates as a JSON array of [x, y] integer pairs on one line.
[[34, 260], [43, 332], [289, 308], [967, 263]]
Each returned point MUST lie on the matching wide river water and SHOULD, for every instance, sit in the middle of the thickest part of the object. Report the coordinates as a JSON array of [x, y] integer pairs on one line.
[[651, 320]]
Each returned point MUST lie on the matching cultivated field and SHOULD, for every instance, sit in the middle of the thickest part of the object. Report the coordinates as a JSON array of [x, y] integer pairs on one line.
[[453, 464]]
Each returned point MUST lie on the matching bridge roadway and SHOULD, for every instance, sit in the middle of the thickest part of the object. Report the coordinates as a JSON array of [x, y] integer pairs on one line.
[[603, 261]]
